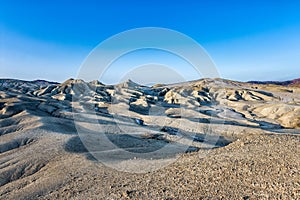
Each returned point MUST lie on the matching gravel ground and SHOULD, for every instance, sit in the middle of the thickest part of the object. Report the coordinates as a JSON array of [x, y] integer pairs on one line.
[[254, 167]]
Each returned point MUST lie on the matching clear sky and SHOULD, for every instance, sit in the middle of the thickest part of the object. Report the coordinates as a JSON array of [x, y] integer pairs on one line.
[[248, 40]]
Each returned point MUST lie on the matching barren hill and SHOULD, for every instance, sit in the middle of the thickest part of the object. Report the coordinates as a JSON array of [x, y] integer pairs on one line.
[[226, 139]]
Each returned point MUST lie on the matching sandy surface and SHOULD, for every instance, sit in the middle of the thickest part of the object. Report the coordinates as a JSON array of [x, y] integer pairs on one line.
[[206, 139]]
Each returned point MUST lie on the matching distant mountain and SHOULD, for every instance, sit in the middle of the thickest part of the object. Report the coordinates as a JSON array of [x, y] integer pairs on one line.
[[294, 83]]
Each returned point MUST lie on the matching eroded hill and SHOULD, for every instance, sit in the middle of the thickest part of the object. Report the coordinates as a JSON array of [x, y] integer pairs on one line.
[[44, 152]]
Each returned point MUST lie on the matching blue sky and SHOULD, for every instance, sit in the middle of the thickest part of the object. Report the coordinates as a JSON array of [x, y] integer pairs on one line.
[[248, 40]]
